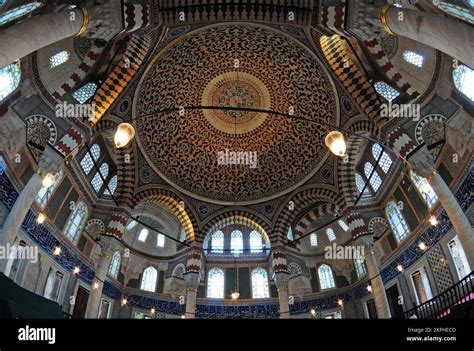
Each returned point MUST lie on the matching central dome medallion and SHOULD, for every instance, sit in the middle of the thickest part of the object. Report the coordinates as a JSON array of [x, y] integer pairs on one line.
[[234, 65]]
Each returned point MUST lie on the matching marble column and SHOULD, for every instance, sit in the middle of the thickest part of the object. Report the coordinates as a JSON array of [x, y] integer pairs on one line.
[[48, 163], [423, 164], [454, 38], [192, 284], [107, 248], [362, 237], [21, 39], [12, 133], [281, 281]]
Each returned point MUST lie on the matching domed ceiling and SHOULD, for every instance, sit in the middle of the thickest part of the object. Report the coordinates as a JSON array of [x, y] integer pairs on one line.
[[239, 66]]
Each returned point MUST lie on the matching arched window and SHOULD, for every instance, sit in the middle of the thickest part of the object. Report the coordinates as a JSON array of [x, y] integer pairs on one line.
[[149, 278], [255, 241], [326, 278], [10, 77], [178, 271], [215, 283], [359, 266], [18, 12], [143, 235], [375, 180], [413, 58], [58, 59], [360, 183], [425, 189], [112, 186], [98, 181], [343, 225], [160, 240], [386, 91], [44, 195], [114, 266], [76, 221], [331, 235], [463, 77], [85, 92], [385, 161], [217, 242], [260, 284], [457, 11], [86, 163], [182, 235], [289, 235], [396, 221], [313, 239], [236, 242], [131, 224]]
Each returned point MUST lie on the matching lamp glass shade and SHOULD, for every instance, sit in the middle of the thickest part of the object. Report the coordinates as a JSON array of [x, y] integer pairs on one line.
[[336, 143], [124, 133], [41, 218], [235, 295], [48, 180]]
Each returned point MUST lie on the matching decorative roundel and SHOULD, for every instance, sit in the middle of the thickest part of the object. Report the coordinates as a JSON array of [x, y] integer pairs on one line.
[[146, 174], [326, 173], [347, 105], [377, 226], [430, 130], [95, 228], [203, 209], [268, 208], [229, 156], [124, 106], [41, 131], [389, 44]]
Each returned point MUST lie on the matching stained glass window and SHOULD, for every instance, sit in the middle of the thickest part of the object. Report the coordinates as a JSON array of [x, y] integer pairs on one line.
[[386, 91], [86, 163], [456, 11], [143, 235], [255, 241], [112, 185], [215, 283], [10, 77], [331, 235], [85, 92], [359, 266], [76, 221], [343, 225], [149, 278], [98, 181], [375, 180], [425, 189], [326, 278], [44, 195], [160, 240], [114, 266], [396, 221], [463, 77], [385, 161], [18, 12], [260, 284], [360, 183], [217, 242], [313, 239], [58, 59], [413, 58], [236, 242]]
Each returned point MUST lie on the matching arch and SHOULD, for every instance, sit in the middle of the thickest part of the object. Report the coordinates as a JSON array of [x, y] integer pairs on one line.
[[59, 59], [98, 181], [114, 266], [313, 239], [330, 234], [255, 242], [236, 217], [87, 162], [294, 269], [312, 215], [260, 289], [215, 283], [385, 161], [174, 204], [397, 221], [424, 188], [375, 181], [463, 77], [149, 279], [178, 271], [236, 242], [76, 221]]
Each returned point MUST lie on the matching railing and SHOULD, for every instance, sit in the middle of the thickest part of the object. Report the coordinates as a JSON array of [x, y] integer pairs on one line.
[[441, 305]]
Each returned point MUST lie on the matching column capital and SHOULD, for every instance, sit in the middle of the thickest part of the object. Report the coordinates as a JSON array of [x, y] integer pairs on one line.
[[192, 281], [281, 280], [422, 162], [49, 161]]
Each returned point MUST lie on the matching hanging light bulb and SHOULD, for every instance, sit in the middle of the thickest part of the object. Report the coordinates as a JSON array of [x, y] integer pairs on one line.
[[152, 311], [400, 268], [57, 251], [369, 288], [124, 301], [76, 270], [336, 143], [313, 312], [48, 180], [183, 316], [340, 302], [125, 132], [41, 218], [422, 246], [433, 221], [96, 285], [235, 295]]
